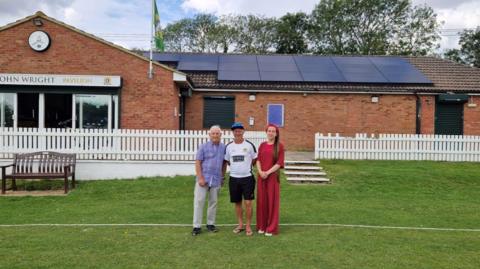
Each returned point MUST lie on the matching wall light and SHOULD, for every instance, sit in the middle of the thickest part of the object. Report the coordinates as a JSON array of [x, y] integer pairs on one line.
[[374, 99], [251, 97], [471, 103]]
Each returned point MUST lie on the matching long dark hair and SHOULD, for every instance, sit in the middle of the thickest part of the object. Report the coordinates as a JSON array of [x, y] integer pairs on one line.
[[275, 143]]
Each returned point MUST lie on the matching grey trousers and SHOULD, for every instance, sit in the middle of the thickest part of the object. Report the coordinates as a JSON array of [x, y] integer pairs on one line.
[[199, 197]]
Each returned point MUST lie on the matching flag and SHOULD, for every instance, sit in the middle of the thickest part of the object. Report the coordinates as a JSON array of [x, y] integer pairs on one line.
[[159, 45]]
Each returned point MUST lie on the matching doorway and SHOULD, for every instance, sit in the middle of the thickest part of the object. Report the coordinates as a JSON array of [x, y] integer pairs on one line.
[[27, 110], [58, 110]]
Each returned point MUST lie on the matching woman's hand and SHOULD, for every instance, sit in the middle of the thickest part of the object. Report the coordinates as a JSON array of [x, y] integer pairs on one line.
[[263, 174]]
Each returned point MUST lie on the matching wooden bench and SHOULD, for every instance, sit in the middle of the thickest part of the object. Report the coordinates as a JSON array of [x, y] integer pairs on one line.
[[40, 165]]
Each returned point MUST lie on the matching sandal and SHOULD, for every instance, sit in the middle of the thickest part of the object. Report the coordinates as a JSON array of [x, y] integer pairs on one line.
[[238, 230], [249, 232]]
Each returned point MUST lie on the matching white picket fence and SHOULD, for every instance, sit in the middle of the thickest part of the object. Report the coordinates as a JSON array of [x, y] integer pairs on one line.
[[454, 148], [121, 144]]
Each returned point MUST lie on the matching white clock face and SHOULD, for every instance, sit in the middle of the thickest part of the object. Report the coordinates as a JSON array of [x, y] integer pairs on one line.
[[39, 41]]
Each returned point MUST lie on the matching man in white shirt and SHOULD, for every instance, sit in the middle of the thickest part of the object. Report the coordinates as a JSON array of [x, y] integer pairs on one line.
[[241, 154]]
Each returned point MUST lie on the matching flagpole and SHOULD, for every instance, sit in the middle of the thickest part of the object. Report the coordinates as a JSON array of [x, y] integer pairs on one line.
[[150, 70]]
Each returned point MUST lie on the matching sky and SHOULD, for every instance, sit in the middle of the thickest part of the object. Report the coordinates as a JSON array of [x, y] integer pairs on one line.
[[127, 22]]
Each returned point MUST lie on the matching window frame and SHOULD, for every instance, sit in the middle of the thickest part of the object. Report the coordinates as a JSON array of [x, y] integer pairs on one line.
[[282, 117]]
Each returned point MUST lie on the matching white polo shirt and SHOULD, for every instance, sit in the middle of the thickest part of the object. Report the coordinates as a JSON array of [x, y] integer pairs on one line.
[[240, 157]]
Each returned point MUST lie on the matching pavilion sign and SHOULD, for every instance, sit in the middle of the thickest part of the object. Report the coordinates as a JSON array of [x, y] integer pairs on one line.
[[60, 80]]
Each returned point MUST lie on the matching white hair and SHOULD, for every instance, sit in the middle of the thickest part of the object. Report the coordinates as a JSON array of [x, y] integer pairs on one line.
[[215, 127]]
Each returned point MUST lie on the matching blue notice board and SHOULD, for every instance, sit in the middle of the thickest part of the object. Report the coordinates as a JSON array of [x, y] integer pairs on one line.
[[275, 114]]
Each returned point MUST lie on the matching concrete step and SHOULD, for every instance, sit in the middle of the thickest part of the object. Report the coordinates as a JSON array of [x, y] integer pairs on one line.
[[300, 162], [308, 179], [304, 173], [296, 167]]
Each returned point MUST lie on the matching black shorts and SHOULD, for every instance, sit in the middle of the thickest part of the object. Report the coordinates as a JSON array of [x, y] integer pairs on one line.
[[241, 186]]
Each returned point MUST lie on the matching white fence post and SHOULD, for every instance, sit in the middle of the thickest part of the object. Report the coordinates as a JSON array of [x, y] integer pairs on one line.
[[398, 147], [116, 144]]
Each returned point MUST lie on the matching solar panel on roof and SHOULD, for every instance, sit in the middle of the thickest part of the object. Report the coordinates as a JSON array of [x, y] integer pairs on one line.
[[276, 63], [238, 75], [238, 67], [318, 69], [359, 70], [372, 69], [278, 68], [238, 63], [398, 70], [280, 76], [237, 58], [162, 57], [194, 62]]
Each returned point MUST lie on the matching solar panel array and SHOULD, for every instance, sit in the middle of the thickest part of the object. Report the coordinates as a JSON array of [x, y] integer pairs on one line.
[[300, 68]]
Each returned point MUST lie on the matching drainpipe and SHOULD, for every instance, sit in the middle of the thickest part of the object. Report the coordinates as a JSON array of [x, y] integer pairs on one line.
[[418, 114], [182, 112]]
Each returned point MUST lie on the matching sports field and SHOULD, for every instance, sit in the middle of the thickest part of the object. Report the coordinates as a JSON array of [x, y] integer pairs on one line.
[[375, 214]]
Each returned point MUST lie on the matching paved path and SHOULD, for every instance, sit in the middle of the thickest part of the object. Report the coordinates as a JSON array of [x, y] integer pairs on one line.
[[299, 156]]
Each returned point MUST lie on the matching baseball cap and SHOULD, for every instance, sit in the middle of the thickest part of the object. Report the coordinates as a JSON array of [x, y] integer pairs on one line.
[[237, 125]]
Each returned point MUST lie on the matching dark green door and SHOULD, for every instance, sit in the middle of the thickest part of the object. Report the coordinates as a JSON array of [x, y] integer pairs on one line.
[[449, 118], [218, 110]]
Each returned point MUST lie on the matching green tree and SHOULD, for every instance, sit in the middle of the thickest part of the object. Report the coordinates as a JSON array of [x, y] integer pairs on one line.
[[197, 34], [454, 55], [291, 32], [177, 35], [420, 34], [226, 33], [372, 27], [470, 46], [469, 52], [255, 34], [202, 33]]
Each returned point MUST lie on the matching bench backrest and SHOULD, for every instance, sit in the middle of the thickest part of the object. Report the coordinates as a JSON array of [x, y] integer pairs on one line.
[[44, 162]]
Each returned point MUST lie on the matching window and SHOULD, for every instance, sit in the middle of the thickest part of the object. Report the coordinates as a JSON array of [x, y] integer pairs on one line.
[[218, 110], [6, 109], [275, 114], [93, 111]]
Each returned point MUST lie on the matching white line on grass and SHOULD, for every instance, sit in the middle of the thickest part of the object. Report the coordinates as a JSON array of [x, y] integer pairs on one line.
[[189, 225]]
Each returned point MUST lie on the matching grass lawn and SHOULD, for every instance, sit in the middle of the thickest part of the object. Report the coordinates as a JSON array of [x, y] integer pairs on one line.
[[383, 193]]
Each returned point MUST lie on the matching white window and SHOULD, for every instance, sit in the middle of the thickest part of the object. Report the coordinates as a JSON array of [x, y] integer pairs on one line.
[[7, 109], [59, 110], [96, 111]]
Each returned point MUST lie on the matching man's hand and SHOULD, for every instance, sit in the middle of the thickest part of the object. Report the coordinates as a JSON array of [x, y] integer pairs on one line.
[[201, 182]]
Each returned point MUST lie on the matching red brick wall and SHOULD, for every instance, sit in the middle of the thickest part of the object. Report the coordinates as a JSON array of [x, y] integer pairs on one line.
[[145, 103], [472, 117], [427, 114], [346, 114]]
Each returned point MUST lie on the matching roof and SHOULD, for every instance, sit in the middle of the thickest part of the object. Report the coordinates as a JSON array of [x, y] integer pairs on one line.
[[42, 15], [443, 76]]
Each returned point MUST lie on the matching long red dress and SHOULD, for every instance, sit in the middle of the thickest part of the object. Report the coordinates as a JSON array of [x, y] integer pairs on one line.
[[268, 190]]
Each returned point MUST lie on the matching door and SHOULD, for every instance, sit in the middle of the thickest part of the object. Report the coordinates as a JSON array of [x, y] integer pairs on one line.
[[58, 110], [449, 118], [218, 110], [27, 106]]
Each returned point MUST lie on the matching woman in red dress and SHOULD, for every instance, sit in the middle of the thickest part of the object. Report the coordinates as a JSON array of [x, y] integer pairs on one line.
[[270, 160]]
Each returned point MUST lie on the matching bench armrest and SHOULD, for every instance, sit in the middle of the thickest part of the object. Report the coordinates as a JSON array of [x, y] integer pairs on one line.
[[69, 166], [5, 166]]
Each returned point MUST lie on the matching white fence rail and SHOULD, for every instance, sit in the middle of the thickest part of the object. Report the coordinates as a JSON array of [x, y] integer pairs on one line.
[[121, 144], [456, 148]]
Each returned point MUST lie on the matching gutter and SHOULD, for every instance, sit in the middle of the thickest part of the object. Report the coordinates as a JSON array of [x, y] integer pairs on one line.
[[301, 92]]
